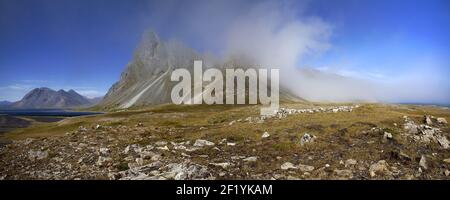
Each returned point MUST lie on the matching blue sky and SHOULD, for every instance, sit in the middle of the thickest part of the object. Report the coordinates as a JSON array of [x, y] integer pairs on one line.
[[85, 45]]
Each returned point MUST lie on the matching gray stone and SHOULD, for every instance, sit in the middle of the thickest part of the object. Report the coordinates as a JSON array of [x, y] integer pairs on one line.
[[231, 144], [161, 143], [305, 168], [201, 143], [288, 165], [442, 140], [381, 167], [250, 159], [139, 161], [428, 120], [164, 148], [98, 126], [104, 151], [102, 161], [224, 165], [307, 138], [423, 162], [350, 162], [411, 127], [343, 173], [37, 155], [441, 120], [387, 135]]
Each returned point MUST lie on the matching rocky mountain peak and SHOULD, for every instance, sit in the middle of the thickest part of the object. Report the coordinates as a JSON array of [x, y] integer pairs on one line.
[[47, 98], [148, 47], [146, 79]]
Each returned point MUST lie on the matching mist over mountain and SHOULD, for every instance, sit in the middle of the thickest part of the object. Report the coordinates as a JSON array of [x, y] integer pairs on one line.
[[146, 79], [95, 100], [47, 98]]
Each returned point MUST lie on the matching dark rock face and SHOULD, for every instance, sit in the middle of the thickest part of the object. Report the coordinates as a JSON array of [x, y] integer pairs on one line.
[[146, 79], [48, 98]]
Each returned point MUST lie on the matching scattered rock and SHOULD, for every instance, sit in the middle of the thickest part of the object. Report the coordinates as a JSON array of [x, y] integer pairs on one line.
[[381, 167], [88, 154], [411, 127], [428, 120], [139, 161], [147, 154], [82, 129], [347, 174], [224, 165], [350, 162], [251, 159], [442, 140], [164, 148], [104, 151], [98, 126], [102, 161], [37, 155], [201, 143], [161, 143], [127, 149], [305, 168], [288, 165], [423, 162], [28, 141], [284, 112], [403, 156], [441, 120], [387, 135], [307, 138], [176, 171], [428, 133]]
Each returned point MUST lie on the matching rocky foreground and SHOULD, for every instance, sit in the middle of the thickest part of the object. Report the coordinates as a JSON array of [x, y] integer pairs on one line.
[[413, 147]]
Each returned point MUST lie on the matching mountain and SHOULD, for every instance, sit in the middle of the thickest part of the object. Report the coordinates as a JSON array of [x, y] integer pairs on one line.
[[95, 100], [5, 104], [47, 98], [146, 79]]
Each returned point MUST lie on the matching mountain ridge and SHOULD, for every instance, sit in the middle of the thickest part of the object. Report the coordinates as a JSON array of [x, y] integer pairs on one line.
[[146, 79], [44, 97]]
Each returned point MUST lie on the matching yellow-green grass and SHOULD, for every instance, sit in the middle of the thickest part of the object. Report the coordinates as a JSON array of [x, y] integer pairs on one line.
[[216, 118]]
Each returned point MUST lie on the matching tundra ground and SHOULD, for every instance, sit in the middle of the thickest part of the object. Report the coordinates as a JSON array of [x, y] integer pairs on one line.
[[311, 141]]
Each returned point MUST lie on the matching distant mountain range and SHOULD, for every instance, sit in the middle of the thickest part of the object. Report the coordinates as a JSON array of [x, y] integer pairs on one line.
[[47, 98], [4, 104]]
